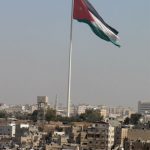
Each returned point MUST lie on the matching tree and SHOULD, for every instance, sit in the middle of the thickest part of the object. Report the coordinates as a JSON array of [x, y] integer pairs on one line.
[[3, 114], [21, 115], [91, 115], [127, 121], [135, 118], [34, 115], [50, 115]]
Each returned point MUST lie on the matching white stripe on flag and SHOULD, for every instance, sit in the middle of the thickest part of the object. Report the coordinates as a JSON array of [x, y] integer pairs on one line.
[[106, 30]]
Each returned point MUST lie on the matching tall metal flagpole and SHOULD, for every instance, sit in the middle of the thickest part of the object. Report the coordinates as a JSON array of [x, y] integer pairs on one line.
[[70, 63]]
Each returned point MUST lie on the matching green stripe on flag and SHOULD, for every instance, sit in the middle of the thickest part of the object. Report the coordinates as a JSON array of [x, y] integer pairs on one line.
[[95, 28]]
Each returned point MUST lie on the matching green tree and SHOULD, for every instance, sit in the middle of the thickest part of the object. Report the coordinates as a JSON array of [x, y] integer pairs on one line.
[[50, 115], [127, 121], [21, 116], [135, 118], [3, 114], [34, 115], [91, 115]]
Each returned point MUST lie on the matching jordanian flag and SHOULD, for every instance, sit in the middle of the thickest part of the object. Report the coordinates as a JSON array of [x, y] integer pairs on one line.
[[85, 12]]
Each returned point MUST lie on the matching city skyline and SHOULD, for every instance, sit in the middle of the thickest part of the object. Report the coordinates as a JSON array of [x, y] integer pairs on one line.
[[34, 53]]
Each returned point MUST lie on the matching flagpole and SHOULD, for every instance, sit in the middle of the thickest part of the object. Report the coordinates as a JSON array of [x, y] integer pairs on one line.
[[70, 63]]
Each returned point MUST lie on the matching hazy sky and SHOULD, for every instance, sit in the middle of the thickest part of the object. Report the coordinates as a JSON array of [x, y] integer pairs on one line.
[[34, 41]]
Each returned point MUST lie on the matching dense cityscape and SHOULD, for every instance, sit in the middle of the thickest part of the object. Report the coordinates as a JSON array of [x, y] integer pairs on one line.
[[45, 127], [74, 75]]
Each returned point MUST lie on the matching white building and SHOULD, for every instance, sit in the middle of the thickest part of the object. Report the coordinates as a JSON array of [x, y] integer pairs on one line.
[[82, 108], [143, 107], [59, 133], [146, 118], [103, 110], [22, 125]]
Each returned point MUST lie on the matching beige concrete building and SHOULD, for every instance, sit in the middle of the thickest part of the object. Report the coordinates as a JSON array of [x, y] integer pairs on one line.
[[100, 136], [135, 139], [27, 135], [103, 112], [136, 145], [139, 134], [124, 134], [64, 147]]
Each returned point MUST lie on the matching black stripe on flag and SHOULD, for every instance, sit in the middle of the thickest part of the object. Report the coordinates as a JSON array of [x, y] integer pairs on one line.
[[95, 13]]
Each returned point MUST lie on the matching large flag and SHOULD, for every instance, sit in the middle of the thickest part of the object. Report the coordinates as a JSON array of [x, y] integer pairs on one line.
[[85, 12]]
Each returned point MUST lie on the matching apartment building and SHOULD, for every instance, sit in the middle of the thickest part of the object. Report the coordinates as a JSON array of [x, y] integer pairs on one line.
[[143, 107], [7, 130], [100, 136]]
